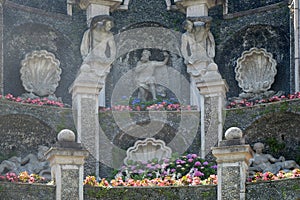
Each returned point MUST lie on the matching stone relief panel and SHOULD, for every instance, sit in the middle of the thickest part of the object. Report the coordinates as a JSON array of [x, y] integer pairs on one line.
[[40, 73], [255, 72], [147, 150]]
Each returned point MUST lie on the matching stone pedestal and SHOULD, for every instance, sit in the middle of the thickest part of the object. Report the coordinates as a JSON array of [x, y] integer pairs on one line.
[[66, 160], [85, 114], [213, 94], [233, 160], [98, 7]]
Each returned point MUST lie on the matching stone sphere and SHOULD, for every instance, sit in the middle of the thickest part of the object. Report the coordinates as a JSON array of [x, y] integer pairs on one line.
[[66, 135], [233, 133]]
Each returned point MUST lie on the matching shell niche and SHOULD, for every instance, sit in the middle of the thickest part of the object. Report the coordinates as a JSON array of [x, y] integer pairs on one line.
[[147, 150], [40, 73], [255, 70]]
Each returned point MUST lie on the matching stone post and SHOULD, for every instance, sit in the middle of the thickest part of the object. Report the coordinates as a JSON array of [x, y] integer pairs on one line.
[[66, 160], [196, 8], [213, 94], [233, 161], [85, 114]]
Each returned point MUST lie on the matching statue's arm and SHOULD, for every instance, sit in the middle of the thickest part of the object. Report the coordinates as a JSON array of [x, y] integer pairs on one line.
[[112, 46], [184, 45], [85, 44]]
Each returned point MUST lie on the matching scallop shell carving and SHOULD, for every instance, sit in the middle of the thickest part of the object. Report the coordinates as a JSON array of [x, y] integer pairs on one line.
[[255, 71], [40, 73], [147, 150]]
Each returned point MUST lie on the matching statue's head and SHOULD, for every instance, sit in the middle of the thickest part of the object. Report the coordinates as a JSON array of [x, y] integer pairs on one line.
[[145, 55], [102, 21], [188, 25], [258, 146]]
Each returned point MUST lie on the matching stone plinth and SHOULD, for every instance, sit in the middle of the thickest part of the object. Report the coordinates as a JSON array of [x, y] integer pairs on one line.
[[98, 7], [233, 161], [66, 160], [213, 94], [85, 114]]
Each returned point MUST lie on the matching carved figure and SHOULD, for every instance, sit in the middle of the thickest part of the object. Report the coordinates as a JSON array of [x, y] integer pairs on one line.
[[145, 72], [31, 163], [197, 47], [98, 51], [198, 50], [267, 163]]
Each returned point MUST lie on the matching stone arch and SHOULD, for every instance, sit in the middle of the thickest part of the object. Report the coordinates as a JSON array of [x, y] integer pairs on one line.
[[28, 37], [21, 134], [271, 38], [280, 132]]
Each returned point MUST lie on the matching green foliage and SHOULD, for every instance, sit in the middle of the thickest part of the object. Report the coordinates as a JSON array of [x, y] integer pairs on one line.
[[274, 145]]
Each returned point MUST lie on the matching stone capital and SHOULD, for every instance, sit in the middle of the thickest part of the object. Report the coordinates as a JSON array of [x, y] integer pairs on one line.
[[112, 4], [213, 87], [196, 8], [232, 154]]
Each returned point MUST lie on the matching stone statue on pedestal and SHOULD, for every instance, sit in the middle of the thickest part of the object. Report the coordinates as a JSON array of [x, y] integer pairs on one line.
[[198, 50], [145, 75], [98, 50]]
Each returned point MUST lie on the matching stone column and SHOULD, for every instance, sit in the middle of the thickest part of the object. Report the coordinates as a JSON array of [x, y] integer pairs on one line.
[[85, 114], [1, 47], [66, 160], [98, 7], [213, 95], [233, 161]]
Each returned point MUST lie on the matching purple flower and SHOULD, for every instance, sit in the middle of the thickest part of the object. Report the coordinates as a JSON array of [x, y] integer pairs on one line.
[[214, 166], [190, 160], [178, 162], [141, 171], [166, 160], [173, 170], [194, 156], [189, 156], [205, 163], [133, 167], [198, 173], [149, 166], [157, 166], [197, 164]]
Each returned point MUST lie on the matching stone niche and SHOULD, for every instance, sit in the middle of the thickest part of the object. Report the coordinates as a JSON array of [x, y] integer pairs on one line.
[[147, 150], [40, 73], [255, 72]]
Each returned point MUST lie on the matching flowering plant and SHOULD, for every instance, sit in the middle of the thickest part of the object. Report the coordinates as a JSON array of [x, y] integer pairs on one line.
[[190, 165], [23, 177], [166, 181], [268, 176], [36, 101], [135, 104], [247, 103]]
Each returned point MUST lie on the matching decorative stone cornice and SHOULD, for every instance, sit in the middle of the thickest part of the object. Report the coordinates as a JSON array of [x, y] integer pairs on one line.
[[196, 8], [113, 4]]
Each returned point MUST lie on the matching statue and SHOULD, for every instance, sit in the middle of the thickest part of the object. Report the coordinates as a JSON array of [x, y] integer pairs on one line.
[[198, 50], [267, 163], [145, 72], [98, 51], [31, 163]]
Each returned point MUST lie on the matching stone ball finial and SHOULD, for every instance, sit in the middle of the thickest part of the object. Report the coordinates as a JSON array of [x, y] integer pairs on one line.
[[66, 135], [233, 133]]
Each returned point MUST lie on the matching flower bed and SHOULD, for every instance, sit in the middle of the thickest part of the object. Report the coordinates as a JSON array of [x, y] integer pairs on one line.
[[249, 103], [23, 177], [268, 176], [35, 101]]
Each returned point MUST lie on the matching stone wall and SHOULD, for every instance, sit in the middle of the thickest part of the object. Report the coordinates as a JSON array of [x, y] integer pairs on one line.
[[266, 27], [40, 27], [24, 191], [23, 127], [276, 125]]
